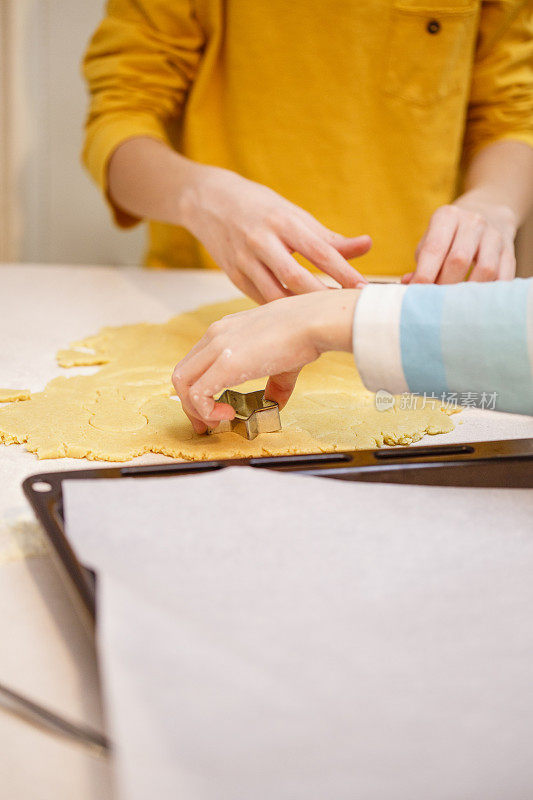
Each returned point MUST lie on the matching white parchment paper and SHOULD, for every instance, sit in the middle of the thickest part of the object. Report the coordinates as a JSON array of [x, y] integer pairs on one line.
[[270, 637]]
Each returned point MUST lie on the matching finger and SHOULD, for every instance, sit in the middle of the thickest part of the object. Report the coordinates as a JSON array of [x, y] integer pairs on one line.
[[190, 400], [187, 373], [202, 393], [350, 247], [324, 256], [198, 425], [191, 367], [488, 257], [462, 252], [267, 283], [356, 245], [419, 246], [286, 269], [181, 365], [205, 412], [247, 286], [507, 268], [437, 243], [407, 278], [220, 412], [280, 387], [197, 359]]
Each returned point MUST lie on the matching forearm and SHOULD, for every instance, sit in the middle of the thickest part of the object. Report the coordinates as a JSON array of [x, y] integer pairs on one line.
[[501, 173], [249, 230], [149, 180]]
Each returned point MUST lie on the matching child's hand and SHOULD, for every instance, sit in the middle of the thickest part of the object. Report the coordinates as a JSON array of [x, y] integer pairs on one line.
[[251, 233], [468, 232], [274, 340]]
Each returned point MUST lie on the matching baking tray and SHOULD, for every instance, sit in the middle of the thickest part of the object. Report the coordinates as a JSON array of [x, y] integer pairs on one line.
[[505, 463]]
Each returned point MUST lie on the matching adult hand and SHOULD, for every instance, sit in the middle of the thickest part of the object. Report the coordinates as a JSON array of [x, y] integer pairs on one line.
[[251, 233], [469, 233], [274, 340]]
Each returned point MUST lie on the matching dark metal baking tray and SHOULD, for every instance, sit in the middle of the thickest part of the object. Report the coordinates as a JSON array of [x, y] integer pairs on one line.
[[504, 463]]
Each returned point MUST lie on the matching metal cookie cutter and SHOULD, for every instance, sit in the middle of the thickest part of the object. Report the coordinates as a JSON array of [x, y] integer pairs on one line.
[[254, 414]]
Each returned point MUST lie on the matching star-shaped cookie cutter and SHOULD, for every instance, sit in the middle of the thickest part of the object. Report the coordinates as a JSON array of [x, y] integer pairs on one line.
[[253, 414]]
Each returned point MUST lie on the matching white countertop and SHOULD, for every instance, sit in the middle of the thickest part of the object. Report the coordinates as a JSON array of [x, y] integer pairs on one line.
[[49, 657], [43, 309]]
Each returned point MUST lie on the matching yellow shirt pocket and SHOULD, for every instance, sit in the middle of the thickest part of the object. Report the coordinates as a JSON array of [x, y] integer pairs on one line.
[[430, 49]]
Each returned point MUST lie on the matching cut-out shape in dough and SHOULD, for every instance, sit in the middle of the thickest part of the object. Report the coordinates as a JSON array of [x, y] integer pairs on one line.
[[79, 358], [117, 421], [128, 407], [11, 395]]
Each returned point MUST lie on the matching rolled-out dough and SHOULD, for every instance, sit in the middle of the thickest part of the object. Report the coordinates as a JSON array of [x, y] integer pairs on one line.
[[128, 407], [9, 395]]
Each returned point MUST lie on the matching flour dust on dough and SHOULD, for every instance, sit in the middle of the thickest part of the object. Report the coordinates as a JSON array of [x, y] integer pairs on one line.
[[128, 407]]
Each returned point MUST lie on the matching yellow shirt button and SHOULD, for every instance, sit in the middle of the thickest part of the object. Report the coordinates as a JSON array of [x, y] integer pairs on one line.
[[433, 26]]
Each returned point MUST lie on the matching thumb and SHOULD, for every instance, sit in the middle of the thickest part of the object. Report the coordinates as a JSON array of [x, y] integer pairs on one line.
[[280, 387]]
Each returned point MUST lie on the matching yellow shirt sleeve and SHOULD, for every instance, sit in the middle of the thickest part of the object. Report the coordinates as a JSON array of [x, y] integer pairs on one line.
[[139, 66], [501, 97]]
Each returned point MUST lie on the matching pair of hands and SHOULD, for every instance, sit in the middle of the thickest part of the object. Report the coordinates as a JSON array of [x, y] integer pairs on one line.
[[252, 232]]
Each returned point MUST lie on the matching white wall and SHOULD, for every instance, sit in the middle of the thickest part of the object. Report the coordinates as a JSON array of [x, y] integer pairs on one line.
[[62, 217]]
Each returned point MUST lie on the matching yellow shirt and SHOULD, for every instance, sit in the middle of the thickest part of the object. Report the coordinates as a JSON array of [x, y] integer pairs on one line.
[[359, 111]]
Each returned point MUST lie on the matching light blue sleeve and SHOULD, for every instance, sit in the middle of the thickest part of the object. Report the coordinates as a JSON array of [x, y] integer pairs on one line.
[[470, 343], [471, 339]]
